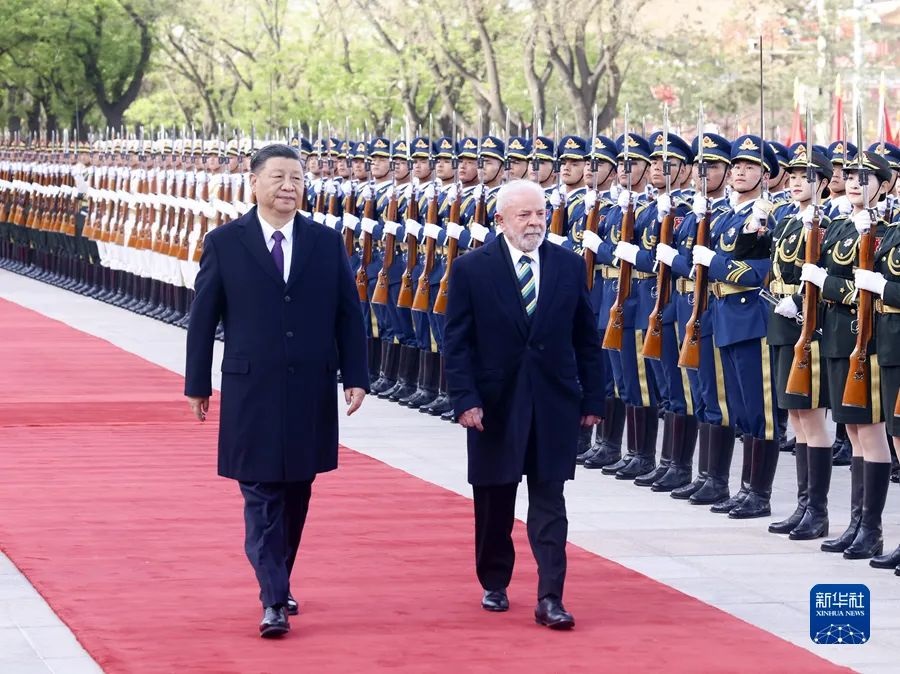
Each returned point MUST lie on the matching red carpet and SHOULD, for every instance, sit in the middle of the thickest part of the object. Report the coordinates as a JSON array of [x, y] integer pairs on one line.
[[111, 507]]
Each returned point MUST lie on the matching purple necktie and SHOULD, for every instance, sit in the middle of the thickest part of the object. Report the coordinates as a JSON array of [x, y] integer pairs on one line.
[[278, 253]]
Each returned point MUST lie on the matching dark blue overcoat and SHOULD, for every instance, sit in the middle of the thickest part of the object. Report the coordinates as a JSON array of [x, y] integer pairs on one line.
[[541, 374], [284, 343]]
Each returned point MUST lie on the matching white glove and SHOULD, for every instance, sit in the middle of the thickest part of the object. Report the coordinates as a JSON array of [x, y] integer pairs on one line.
[[809, 213], [862, 221], [319, 217], [872, 281], [626, 251], [346, 188], [556, 238], [703, 255], [330, 187], [554, 199], [391, 227], [591, 241], [614, 191], [787, 308], [733, 199], [432, 231], [454, 230], [350, 221], [368, 225], [843, 204], [590, 198], [699, 206], [413, 228], [477, 191], [366, 192], [663, 206], [762, 208], [881, 207], [814, 274], [479, 232], [331, 221], [451, 192], [428, 193], [622, 200], [665, 254], [752, 227]]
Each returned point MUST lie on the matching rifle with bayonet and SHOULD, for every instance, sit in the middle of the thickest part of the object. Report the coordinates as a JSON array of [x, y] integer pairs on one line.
[[612, 339], [592, 221], [440, 302], [558, 219], [653, 337], [365, 239], [689, 357], [800, 377]]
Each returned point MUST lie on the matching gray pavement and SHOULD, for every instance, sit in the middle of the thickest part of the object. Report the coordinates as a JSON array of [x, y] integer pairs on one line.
[[735, 565]]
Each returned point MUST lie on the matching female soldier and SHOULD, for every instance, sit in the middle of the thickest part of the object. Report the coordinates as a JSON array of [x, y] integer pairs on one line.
[[871, 463], [885, 282], [806, 412]]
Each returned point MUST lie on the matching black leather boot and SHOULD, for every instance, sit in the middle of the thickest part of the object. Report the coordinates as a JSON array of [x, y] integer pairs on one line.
[[665, 455], [442, 404], [888, 561], [762, 475], [585, 448], [374, 351], [390, 365], [841, 450], [868, 541], [608, 449], [646, 425], [613, 468], [725, 506], [687, 490], [684, 438], [406, 374], [786, 526], [721, 451], [427, 390], [416, 388], [815, 520], [843, 541]]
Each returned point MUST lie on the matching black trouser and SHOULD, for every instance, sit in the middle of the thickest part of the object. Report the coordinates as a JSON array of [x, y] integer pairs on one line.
[[547, 525], [274, 515]]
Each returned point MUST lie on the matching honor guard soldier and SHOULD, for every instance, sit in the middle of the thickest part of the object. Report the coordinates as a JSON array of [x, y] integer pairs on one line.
[[679, 427], [841, 153], [600, 171], [738, 262], [492, 175], [887, 208], [633, 380], [518, 154], [843, 327], [543, 167], [808, 179], [715, 443], [572, 154]]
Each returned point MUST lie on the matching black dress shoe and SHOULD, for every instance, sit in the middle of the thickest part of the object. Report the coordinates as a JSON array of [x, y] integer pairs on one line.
[[293, 608], [274, 622], [551, 613], [495, 600], [888, 561]]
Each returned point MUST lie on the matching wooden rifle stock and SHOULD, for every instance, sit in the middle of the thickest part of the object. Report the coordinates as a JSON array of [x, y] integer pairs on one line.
[[423, 288], [480, 216], [440, 302], [800, 378], [557, 220], [856, 388], [349, 207], [204, 220], [592, 224], [405, 299], [362, 276], [612, 338], [689, 356], [380, 296], [653, 338]]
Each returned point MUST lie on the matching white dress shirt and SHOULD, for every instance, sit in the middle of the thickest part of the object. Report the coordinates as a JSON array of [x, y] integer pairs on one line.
[[287, 246], [535, 258]]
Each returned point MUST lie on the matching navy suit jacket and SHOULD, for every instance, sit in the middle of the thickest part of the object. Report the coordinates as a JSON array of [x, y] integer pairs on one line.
[[534, 378], [283, 345]]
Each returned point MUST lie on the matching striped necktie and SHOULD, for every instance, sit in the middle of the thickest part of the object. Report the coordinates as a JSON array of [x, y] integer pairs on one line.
[[526, 284]]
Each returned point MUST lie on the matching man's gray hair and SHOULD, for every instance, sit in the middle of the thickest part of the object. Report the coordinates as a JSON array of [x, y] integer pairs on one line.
[[514, 187]]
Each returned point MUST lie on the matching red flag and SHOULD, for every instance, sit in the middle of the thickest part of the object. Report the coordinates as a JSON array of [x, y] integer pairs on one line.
[[888, 133]]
